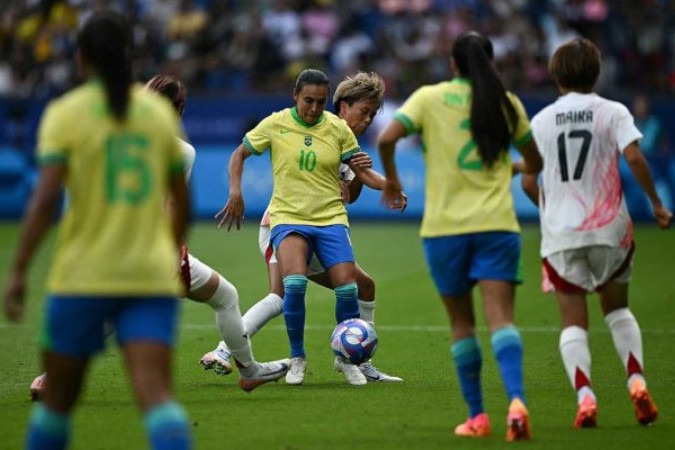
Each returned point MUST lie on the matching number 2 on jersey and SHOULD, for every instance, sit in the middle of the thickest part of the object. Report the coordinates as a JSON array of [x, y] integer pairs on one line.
[[586, 137]]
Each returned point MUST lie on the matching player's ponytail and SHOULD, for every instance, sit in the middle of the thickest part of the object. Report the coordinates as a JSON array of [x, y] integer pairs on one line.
[[493, 117], [105, 46]]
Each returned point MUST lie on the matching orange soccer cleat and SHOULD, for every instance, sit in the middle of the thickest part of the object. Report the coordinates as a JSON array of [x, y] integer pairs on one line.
[[517, 422], [477, 426], [645, 408], [587, 413]]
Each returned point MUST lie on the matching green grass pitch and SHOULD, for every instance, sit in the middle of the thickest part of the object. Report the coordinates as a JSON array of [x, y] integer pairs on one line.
[[327, 413]]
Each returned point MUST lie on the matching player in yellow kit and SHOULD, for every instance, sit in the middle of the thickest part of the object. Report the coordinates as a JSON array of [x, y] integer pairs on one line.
[[470, 231], [112, 145], [307, 215]]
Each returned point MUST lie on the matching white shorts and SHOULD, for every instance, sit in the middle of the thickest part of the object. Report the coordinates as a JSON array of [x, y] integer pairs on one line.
[[313, 268], [589, 267], [200, 273]]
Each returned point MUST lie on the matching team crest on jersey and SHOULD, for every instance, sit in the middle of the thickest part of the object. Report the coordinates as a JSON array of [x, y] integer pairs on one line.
[[308, 141]]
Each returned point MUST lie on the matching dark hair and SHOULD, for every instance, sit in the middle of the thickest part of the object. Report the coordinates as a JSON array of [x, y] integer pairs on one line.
[[576, 65], [311, 76], [493, 116], [361, 86], [105, 45], [171, 88]]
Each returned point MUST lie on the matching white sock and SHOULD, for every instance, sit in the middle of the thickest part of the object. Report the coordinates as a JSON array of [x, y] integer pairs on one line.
[[576, 358], [225, 303], [627, 341], [262, 312], [367, 311]]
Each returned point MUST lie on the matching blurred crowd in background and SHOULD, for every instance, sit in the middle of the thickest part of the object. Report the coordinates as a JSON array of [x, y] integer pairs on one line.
[[243, 47], [246, 49]]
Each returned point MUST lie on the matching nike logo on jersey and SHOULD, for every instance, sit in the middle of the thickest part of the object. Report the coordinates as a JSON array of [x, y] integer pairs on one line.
[[284, 131]]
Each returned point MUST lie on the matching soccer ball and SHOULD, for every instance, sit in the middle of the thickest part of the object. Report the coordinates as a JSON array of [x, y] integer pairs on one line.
[[354, 341]]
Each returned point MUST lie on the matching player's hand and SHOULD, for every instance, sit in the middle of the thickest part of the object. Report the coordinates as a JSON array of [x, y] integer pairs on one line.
[[232, 212], [360, 161], [344, 192], [15, 291], [393, 196], [663, 216]]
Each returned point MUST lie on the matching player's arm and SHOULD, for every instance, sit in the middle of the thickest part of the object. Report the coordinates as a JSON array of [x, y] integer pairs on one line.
[[640, 169], [233, 211], [392, 194], [531, 187], [36, 222]]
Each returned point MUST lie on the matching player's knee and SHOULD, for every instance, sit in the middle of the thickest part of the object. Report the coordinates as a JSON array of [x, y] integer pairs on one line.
[[366, 286]]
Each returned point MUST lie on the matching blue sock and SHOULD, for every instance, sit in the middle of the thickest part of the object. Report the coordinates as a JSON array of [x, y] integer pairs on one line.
[[47, 429], [508, 349], [468, 360], [295, 287], [168, 428], [347, 302]]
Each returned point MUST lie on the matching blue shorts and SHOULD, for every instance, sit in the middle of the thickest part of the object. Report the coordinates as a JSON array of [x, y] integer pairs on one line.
[[331, 243], [457, 262], [75, 325]]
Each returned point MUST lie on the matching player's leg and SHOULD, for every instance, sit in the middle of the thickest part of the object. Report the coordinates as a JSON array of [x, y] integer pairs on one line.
[[146, 334], [625, 329], [259, 314], [68, 342], [223, 298], [448, 260], [271, 305], [495, 264], [292, 250], [570, 276]]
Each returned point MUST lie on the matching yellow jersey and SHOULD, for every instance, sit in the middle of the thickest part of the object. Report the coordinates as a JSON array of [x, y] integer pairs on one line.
[[461, 195], [305, 162], [115, 236]]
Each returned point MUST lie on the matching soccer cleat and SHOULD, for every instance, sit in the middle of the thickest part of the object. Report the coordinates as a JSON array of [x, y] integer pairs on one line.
[[517, 422], [38, 387], [477, 426], [372, 374], [645, 408], [351, 372], [218, 360], [587, 413], [296, 373], [262, 373]]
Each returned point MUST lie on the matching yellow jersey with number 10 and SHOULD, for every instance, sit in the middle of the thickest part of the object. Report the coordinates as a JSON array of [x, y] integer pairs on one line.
[[305, 166], [115, 237], [461, 195]]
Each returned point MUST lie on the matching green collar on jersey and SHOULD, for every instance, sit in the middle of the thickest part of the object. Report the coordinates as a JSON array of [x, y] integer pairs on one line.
[[297, 118], [461, 80]]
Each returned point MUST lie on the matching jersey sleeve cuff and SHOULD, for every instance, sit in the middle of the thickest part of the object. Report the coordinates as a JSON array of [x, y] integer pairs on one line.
[[407, 123], [523, 140], [52, 159], [250, 146], [347, 155]]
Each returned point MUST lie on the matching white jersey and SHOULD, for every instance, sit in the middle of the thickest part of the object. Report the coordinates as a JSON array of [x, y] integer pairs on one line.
[[345, 173], [189, 155], [581, 137]]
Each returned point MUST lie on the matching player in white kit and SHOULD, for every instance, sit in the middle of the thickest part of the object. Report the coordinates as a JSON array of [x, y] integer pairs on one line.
[[587, 234]]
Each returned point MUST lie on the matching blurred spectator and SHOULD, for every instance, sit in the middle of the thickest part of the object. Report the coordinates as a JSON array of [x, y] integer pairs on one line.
[[250, 47]]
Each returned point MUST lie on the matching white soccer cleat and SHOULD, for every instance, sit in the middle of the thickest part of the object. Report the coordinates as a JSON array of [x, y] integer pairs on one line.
[[261, 373], [218, 360], [372, 374], [296, 373], [38, 387], [351, 372]]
